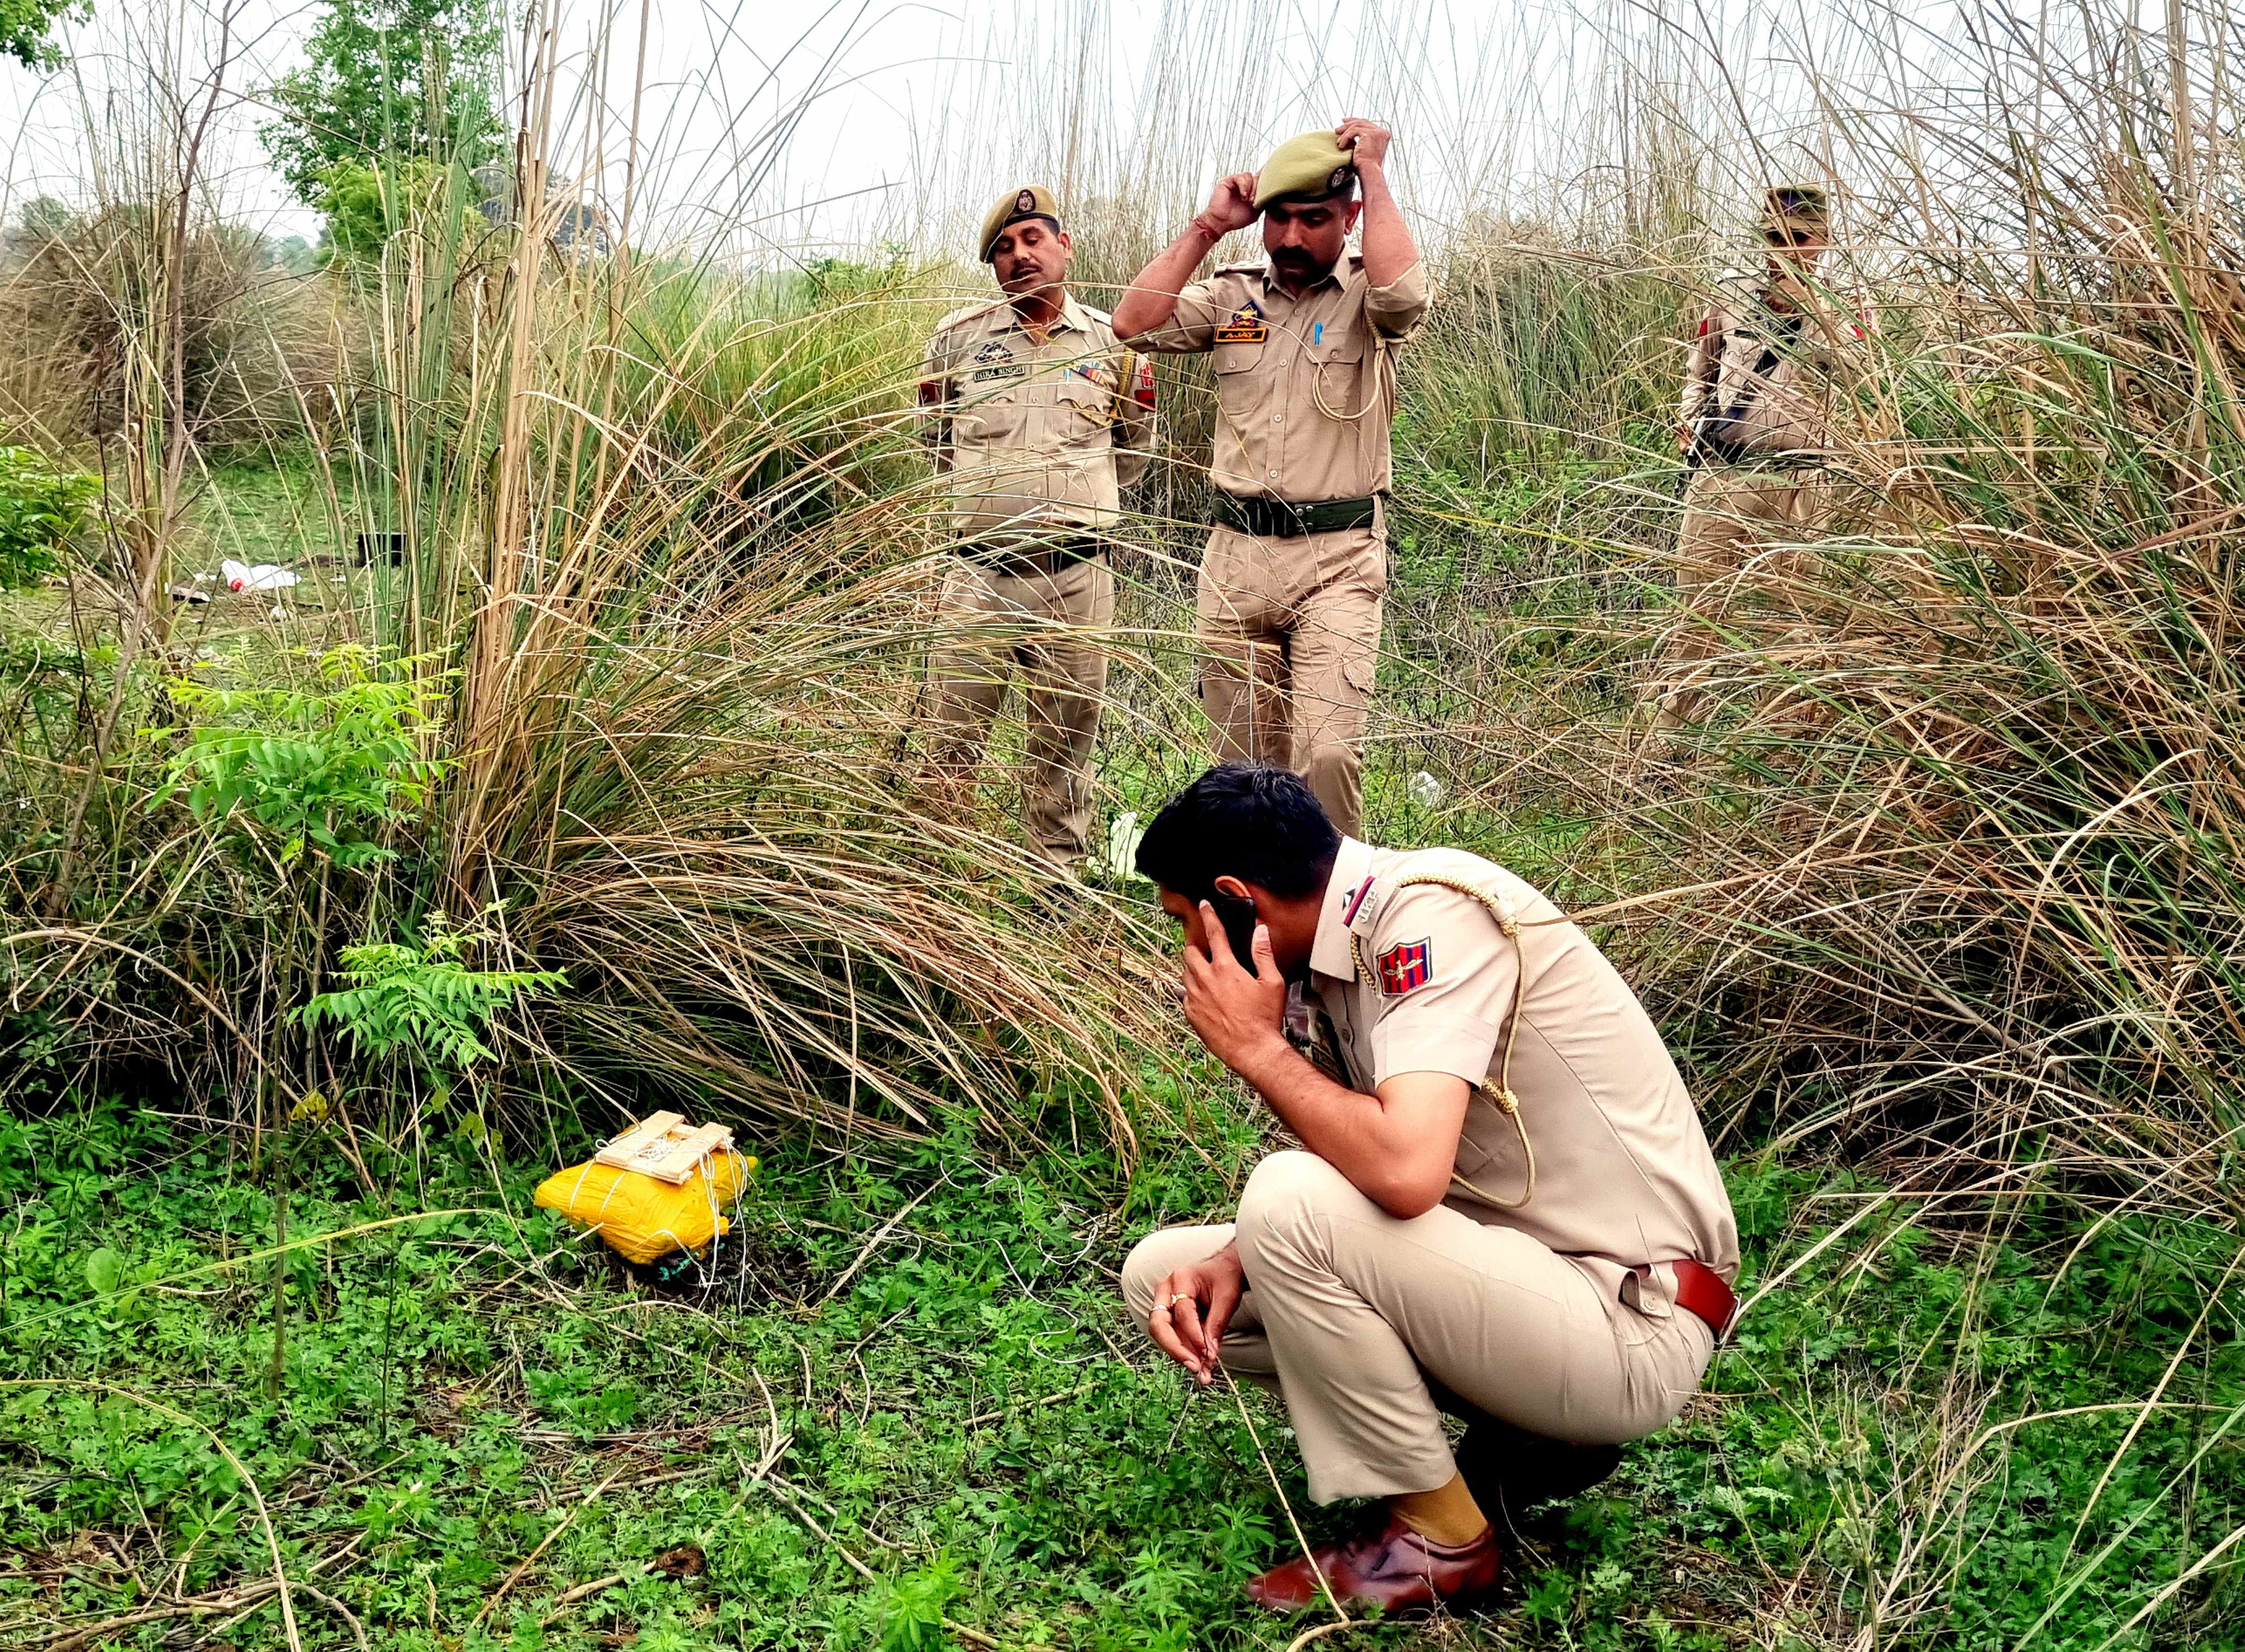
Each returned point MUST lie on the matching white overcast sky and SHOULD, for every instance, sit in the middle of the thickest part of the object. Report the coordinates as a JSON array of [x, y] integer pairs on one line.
[[824, 123]]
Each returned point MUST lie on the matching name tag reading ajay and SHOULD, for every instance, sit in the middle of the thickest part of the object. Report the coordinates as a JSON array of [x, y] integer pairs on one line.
[[1246, 325]]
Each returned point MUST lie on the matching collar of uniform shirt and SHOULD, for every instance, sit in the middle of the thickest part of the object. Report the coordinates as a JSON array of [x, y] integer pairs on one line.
[[1330, 954], [1070, 316]]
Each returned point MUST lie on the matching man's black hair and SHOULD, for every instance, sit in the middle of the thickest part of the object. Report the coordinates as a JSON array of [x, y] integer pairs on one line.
[[1263, 826]]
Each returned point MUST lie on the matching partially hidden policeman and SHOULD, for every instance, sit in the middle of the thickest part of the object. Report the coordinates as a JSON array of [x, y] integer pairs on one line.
[[1305, 344], [1039, 418], [1754, 422]]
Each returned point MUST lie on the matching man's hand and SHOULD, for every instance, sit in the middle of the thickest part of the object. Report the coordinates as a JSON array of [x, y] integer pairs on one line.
[[1367, 140], [1232, 206], [1240, 1017], [1191, 1308]]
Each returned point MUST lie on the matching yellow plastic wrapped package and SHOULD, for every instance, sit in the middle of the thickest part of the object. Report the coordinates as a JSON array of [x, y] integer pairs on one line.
[[642, 1219]]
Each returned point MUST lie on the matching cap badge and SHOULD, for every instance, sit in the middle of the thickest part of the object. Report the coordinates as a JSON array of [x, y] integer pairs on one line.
[[1338, 178], [1406, 966], [1026, 201]]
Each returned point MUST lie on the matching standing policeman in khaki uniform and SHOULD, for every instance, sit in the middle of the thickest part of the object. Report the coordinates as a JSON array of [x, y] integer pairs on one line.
[[1305, 343], [1504, 1201], [1040, 418], [1754, 425]]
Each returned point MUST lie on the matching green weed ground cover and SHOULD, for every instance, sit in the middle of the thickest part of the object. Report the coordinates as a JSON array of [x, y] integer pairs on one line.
[[966, 1414]]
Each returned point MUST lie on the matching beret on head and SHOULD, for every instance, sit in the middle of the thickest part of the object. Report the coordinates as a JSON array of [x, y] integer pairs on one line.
[[1023, 201], [1788, 208], [1310, 167]]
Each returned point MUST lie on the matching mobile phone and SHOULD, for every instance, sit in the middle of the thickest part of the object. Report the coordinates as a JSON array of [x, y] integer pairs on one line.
[[1238, 916]]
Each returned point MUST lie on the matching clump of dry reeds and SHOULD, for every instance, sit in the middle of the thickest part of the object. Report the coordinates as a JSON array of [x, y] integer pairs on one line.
[[258, 344], [1954, 853], [659, 550]]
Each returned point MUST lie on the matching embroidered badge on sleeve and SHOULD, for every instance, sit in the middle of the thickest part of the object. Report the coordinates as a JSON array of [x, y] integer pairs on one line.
[[1144, 390], [1406, 966]]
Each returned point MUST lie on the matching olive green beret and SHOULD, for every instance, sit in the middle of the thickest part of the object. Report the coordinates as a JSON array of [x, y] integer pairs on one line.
[[1310, 167], [1788, 208], [1026, 200]]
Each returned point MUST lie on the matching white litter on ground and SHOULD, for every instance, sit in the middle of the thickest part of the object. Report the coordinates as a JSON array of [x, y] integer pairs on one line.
[[1121, 859], [266, 576]]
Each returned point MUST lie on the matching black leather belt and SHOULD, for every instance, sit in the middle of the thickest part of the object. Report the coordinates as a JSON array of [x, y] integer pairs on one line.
[[1286, 519], [1038, 556]]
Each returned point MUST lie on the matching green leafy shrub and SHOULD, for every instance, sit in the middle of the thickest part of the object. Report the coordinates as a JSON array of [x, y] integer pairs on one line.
[[422, 1001], [328, 767], [365, 206], [41, 510], [913, 1622]]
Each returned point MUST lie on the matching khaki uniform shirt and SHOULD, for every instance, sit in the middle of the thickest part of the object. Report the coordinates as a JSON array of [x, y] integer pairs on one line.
[[1760, 381], [1625, 1178], [1304, 387], [1036, 434]]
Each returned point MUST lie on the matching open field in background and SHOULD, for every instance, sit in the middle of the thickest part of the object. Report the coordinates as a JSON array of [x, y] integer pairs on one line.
[[1941, 907]]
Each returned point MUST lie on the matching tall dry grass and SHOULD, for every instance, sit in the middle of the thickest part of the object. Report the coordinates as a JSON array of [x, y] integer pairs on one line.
[[1957, 849], [662, 557]]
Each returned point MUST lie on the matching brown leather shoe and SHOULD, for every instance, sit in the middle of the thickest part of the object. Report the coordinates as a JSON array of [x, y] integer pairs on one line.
[[1391, 1567]]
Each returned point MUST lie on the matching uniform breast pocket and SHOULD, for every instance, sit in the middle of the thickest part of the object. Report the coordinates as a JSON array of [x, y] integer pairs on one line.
[[992, 420], [1337, 366], [1490, 1167], [1083, 409], [1236, 358]]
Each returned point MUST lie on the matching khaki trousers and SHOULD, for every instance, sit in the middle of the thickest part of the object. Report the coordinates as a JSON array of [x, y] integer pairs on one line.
[[1733, 556], [1292, 630], [1354, 1312], [1036, 623]]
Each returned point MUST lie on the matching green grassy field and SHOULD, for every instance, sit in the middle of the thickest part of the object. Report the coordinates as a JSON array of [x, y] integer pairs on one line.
[[904, 1399], [1941, 907]]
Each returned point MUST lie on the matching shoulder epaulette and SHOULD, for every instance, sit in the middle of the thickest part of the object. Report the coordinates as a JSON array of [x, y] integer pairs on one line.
[[1252, 267], [966, 313]]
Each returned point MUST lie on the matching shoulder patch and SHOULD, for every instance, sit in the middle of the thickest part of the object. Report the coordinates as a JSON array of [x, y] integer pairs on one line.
[[1406, 967]]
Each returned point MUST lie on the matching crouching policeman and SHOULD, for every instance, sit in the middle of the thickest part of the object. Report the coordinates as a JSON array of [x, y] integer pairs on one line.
[[1504, 1205]]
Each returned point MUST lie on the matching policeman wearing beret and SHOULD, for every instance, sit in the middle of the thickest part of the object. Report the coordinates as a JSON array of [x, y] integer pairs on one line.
[[1305, 342], [1502, 1204], [1755, 423], [1039, 418]]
